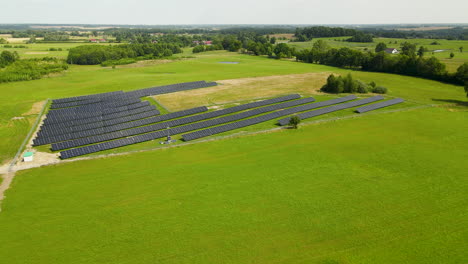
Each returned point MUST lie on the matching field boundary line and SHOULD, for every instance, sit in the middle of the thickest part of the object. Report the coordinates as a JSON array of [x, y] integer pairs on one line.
[[8, 177], [160, 104], [33, 128]]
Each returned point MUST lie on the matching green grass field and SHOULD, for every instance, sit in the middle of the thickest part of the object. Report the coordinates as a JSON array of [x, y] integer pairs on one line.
[[377, 188], [370, 190], [447, 45]]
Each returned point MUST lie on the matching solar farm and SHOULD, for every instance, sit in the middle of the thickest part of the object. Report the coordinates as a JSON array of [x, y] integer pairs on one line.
[[77, 126], [366, 178]]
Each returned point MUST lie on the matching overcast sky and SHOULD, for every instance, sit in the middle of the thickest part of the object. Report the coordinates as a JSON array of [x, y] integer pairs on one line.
[[152, 12]]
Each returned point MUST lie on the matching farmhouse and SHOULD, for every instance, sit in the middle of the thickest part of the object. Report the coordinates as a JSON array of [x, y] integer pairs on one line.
[[391, 51], [97, 40], [204, 42]]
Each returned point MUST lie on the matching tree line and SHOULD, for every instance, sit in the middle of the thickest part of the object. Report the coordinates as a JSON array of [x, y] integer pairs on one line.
[[408, 62], [96, 54], [307, 33], [249, 43]]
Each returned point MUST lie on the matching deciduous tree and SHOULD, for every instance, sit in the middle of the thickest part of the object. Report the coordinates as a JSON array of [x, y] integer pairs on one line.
[[380, 47], [294, 121]]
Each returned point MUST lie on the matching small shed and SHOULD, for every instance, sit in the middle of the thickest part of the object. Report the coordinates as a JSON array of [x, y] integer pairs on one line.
[[28, 156]]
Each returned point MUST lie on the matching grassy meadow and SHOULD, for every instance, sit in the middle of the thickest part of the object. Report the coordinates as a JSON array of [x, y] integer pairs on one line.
[[378, 188], [447, 46]]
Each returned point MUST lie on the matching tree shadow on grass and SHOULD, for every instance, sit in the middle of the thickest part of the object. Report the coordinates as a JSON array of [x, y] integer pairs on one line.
[[451, 101]]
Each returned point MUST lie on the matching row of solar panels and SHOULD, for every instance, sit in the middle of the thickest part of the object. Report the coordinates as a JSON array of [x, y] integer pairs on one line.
[[171, 88], [151, 120], [84, 97], [330, 109], [103, 130], [383, 104], [142, 92], [181, 122]]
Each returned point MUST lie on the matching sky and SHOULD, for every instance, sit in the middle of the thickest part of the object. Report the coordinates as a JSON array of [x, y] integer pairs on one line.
[[157, 12]]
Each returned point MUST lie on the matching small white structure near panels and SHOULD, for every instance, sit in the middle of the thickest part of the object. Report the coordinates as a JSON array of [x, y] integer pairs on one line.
[[28, 156]]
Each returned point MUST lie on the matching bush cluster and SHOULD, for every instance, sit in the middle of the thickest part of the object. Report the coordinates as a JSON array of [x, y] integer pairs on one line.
[[31, 69], [348, 85], [7, 58], [15, 47], [118, 62]]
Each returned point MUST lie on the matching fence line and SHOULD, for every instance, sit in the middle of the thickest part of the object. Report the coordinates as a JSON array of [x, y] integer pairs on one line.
[[15, 159]]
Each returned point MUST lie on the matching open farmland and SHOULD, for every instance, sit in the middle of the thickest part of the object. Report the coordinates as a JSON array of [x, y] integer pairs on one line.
[[387, 187], [40, 50]]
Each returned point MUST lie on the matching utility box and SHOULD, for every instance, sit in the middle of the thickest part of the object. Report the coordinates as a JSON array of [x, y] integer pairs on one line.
[[28, 156]]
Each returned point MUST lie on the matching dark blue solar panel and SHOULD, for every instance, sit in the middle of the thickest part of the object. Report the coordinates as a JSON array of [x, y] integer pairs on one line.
[[383, 104]]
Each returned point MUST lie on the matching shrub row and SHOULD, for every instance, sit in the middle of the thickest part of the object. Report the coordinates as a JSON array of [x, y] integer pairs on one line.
[[97, 54]]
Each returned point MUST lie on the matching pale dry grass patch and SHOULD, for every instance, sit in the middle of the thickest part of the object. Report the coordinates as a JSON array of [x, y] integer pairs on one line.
[[143, 63], [245, 89], [36, 52], [35, 109]]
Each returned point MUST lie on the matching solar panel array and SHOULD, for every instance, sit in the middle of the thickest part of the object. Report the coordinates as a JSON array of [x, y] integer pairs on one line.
[[87, 124], [81, 116], [260, 119], [188, 127], [383, 104], [172, 88], [182, 121], [330, 109]]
